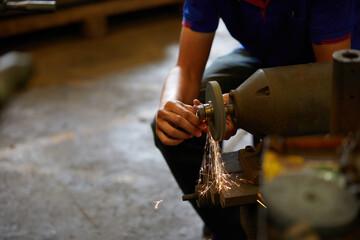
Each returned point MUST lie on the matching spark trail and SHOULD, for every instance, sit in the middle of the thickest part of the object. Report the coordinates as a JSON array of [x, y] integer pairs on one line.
[[212, 171]]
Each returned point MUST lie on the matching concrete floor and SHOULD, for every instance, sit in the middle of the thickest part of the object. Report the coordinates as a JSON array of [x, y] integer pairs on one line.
[[77, 159]]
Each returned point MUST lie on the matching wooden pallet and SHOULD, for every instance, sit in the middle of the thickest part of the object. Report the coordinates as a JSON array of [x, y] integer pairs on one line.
[[93, 16]]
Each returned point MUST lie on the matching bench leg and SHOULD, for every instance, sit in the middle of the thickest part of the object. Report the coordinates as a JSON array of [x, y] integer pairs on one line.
[[95, 26]]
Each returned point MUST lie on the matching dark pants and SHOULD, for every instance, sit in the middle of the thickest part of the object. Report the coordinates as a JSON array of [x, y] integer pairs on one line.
[[185, 159]]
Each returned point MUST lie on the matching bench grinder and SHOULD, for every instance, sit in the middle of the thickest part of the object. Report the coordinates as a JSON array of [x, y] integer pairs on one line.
[[320, 99], [288, 101]]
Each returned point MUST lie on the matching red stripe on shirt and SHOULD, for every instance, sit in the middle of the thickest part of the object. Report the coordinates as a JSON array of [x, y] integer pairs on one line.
[[336, 40], [186, 24], [260, 4]]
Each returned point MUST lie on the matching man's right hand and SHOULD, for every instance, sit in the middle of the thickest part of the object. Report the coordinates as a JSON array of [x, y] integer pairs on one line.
[[176, 121]]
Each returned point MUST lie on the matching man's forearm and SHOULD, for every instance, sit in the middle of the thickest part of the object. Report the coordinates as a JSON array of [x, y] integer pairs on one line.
[[181, 86], [323, 52]]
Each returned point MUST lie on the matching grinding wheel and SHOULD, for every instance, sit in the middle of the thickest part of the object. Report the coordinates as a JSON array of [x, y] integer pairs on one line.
[[328, 208], [217, 124]]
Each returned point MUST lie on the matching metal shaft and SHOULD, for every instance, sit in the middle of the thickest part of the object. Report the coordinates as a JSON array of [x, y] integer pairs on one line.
[[345, 93], [206, 111]]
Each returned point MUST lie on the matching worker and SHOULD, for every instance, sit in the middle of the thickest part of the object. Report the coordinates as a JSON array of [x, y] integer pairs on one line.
[[271, 33]]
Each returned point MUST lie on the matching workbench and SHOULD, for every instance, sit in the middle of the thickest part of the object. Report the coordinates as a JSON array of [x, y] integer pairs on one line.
[[93, 15]]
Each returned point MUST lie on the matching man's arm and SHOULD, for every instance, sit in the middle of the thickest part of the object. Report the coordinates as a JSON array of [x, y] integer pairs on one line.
[[176, 119], [323, 52]]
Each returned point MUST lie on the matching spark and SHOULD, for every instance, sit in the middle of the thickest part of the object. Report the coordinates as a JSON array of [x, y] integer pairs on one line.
[[261, 203], [157, 203], [212, 171], [260, 197], [260, 200], [245, 180]]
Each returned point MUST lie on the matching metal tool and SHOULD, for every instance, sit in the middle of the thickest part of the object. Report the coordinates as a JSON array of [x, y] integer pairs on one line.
[[309, 184], [289, 101]]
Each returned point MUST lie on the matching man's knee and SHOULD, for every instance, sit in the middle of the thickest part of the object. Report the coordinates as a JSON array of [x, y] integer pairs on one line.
[[186, 151], [157, 141]]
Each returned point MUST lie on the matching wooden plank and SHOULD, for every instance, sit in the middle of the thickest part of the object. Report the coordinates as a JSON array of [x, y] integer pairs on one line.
[[103, 9]]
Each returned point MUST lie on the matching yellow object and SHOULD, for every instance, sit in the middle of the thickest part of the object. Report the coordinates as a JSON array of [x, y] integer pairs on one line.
[[271, 165], [275, 164]]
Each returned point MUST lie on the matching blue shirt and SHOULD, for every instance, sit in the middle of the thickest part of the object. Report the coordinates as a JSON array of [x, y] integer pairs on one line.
[[278, 32]]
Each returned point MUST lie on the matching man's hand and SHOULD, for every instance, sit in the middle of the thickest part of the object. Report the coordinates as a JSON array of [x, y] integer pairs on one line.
[[176, 121]]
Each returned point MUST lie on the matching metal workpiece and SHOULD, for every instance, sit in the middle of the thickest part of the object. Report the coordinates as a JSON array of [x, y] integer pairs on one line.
[[289, 100], [205, 112], [214, 111], [345, 93]]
